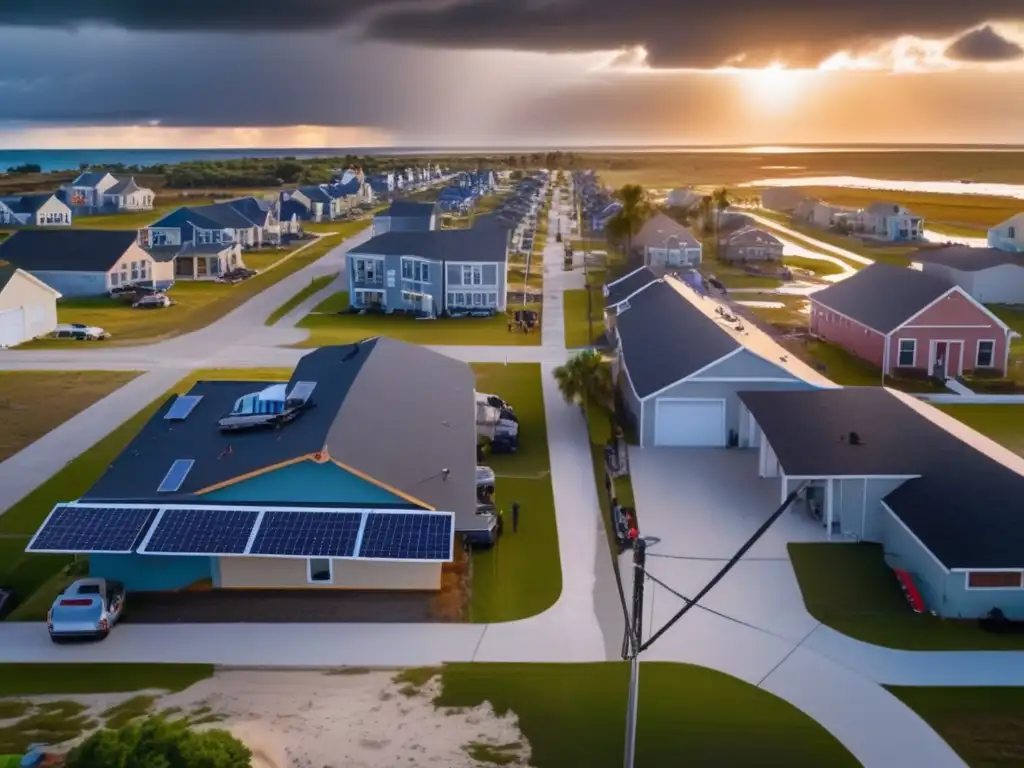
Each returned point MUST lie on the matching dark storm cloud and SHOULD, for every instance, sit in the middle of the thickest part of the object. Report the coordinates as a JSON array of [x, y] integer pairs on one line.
[[984, 45]]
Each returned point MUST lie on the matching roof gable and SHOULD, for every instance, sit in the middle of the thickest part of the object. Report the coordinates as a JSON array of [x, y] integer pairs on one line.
[[478, 244], [656, 232], [66, 250]]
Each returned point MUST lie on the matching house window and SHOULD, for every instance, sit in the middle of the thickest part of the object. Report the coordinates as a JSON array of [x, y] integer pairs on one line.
[[986, 354], [415, 270], [368, 271], [319, 570], [492, 299], [158, 238], [472, 275], [1012, 233], [907, 353], [114, 279], [994, 580]]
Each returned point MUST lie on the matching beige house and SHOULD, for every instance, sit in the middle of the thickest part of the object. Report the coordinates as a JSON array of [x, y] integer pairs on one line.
[[28, 306], [752, 244]]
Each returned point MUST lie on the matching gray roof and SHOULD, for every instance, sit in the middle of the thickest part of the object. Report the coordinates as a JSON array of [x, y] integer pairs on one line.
[[882, 209], [623, 288], [410, 209], [89, 179], [124, 187], [66, 250], [753, 236], [964, 506], [882, 296], [656, 232], [316, 194], [967, 259], [363, 417], [28, 203], [482, 244], [665, 339]]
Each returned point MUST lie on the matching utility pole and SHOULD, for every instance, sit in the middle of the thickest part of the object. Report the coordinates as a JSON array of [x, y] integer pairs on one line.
[[635, 631]]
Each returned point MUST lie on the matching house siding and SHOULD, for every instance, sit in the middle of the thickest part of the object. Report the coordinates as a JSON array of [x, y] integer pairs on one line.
[[744, 253], [39, 304], [902, 551], [1008, 236], [1003, 284], [153, 573], [280, 572], [306, 482], [53, 213], [857, 505], [74, 283], [858, 339]]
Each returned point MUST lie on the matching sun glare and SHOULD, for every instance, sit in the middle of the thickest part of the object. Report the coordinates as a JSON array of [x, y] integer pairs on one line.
[[773, 86]]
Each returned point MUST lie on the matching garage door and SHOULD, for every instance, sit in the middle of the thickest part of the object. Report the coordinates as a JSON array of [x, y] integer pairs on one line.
[[689, 423], [12, 327]]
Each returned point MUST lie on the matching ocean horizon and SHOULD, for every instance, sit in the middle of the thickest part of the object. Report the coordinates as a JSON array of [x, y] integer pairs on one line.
[[71, 159]]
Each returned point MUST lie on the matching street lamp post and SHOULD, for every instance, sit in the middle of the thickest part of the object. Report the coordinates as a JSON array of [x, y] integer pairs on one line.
[[635, 632]]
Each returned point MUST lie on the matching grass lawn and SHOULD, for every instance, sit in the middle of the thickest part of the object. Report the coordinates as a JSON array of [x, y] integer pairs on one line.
[[315, 285], [516, 275], [326, 327], [521, 576], [34, 402], [792, 313], [850, 371], [850, 588], [983, 725], [735, 277], [198, 305], [819, 267], [1003, 423], [574, 715], [577, 325], [599, 428], [57, 679], [25, 573]]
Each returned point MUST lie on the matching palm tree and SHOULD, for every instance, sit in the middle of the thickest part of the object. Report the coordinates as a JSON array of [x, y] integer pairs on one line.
[[704, 209], [721, 202], [636, 209], [586, 379]]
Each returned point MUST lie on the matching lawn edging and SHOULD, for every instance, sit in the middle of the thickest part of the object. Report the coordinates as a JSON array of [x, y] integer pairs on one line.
[[316, 285]]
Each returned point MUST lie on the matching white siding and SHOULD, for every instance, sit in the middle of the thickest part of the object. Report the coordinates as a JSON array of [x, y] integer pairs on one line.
[[278, 572]]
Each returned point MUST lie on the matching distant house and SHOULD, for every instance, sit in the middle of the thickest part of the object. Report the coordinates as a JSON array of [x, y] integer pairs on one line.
[[42, 210], [1008, 236], [102, 192], [602, 213], [28, 306], [432, 272], [751, 244], [683, 198], [406, 216], [989, 275], [907, 321], [891, 222], [781, 199], [818, 213], [84, 262], [311, 203], [664, 242]]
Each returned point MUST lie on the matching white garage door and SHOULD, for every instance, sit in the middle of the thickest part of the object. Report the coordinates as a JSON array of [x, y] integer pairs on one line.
[[689, 423], [12, 327]]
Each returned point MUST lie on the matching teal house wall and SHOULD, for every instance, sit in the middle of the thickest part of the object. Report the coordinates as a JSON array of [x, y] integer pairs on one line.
[[306, 482], [154, 573]]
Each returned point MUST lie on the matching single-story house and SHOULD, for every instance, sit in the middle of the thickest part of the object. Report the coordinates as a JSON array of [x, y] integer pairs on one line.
[[820, 214], [42, 210], [683, 198], [84, 262], [907, 321], [436, 271], [989, 275], [882, 466], [664, 242], [406, 216], [781, 199], [336, 478], [682, 359], [1008, 236], [99, 191], [751, 244], [28, 306], [891, 222]]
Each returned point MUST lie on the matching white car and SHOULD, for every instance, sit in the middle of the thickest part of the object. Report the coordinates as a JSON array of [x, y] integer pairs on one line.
[[79, 332], [89, 608]]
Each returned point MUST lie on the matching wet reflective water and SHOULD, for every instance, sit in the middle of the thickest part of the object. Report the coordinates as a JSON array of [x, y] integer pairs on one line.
[[951, 187]]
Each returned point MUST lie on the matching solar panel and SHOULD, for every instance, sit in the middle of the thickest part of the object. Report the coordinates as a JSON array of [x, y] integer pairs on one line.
[[412, 536], [307, 534], [188, 531], [302, 390], [71, 528], [175, 476], [182, 407]]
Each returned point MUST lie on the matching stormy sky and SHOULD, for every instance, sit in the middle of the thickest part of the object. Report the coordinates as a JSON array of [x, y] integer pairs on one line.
[[497, 72]]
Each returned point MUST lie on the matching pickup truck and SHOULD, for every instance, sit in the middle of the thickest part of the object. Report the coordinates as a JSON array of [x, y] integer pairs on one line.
[[89, 608]]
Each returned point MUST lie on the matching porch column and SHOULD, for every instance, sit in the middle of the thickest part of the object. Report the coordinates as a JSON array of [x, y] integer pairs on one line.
[[785, 489], [828, 508], [195, 267]]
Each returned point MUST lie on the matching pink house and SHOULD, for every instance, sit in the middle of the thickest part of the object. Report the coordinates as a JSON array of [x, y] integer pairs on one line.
[[904, 320]]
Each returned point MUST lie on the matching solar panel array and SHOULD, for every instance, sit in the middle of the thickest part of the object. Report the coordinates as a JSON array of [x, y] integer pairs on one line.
[[307, 534], [201, 532], [407, 536], [182, 407], [92, 529]]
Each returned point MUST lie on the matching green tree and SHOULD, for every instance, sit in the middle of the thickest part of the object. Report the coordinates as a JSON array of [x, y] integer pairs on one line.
[[587, 380], [636, 209], [704, 211], [721, 201], [157, 743]]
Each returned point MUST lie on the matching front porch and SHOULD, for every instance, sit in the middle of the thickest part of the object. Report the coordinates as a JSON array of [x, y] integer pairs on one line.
[[206, 266]]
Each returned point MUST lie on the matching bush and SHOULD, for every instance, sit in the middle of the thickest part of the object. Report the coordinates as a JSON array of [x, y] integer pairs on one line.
[[156, 742]]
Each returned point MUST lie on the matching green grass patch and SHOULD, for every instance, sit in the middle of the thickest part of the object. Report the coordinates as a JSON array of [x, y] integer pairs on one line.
[[574, 714], [1003, 423], [792, 314], [51, 722], [983, 725], [850, 588], [844, 368], [27, 573], [13, 708], [521, 576], [495, 754], [577, 325], [316, 285], [820, 267], [121, 714], [33, 403], [68, 679], [327, 327], [735, 277]]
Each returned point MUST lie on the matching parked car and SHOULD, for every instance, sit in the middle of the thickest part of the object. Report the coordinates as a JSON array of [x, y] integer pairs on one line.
[[79, 332], [506, 410], [484, 483], [237, 275], [89, 608], [486, 533], [152, 301]]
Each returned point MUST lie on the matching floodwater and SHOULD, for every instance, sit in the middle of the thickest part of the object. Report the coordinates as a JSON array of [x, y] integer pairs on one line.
[[954, 187], [773, 305], [939, 237]]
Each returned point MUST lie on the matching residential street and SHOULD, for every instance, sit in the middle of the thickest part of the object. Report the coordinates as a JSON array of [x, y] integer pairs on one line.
[[761, 632]]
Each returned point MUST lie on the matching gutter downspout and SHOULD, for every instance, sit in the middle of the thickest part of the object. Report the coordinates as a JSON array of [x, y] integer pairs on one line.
[[885, 356]]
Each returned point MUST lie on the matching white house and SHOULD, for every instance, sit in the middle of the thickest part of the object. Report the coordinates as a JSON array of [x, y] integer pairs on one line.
[[43, 210], [98, 191], [1008, 236], [28, 307], [891, 222], [989, 275]]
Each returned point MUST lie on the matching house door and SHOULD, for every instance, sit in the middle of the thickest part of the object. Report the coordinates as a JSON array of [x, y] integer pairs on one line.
[[946, 358]]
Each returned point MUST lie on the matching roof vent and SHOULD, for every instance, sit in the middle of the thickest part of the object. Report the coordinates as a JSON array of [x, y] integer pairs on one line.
[[855, 439], [175, 476], [182, 407]]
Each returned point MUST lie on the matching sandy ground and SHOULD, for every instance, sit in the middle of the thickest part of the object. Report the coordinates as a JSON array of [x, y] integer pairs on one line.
[[336, 719]]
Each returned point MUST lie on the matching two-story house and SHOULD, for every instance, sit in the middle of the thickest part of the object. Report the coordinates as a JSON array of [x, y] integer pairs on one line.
[[43, 210], [891, 222], [311, 203], [664, 242], [433, 272], [406, 216], [1008, 236], [751, 244], [99, 191]]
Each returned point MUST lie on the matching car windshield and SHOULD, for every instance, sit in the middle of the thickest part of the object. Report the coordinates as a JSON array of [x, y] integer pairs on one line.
[[89, 589]]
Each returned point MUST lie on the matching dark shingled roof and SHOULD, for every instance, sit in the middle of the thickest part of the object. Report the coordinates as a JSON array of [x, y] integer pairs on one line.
[[486, 243], [665, 338], [410, 209], [623, 288], [7, 271], [967, 259], [657, 231], [89, 179], [882, 296], [964, 506], [365, 415], [28, 203], [64, 250], [124, 187]]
